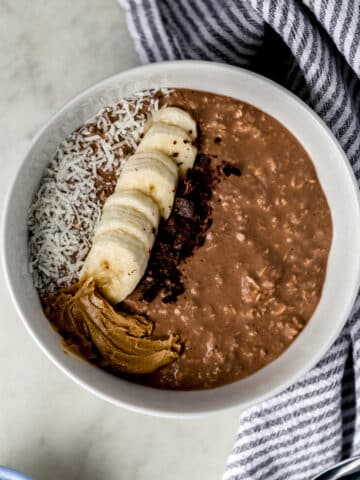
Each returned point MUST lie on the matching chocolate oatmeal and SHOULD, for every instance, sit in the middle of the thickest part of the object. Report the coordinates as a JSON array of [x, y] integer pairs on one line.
[[250, 289], [235, 272]]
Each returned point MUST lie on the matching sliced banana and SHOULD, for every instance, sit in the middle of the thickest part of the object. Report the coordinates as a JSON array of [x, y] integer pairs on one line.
[[138, 201], [147, 174], [145, 190], [116, 262], [171, 140], [174, 116], [127, 220], [168, 162]]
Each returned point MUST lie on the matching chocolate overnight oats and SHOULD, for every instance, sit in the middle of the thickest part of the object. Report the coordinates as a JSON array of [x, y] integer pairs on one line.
[[180, 239]]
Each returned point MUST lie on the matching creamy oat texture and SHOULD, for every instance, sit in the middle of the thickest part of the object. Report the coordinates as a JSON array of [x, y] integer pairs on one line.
[[256, 281]]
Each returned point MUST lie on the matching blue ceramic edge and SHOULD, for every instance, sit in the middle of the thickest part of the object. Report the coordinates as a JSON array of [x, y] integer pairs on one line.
[[10, 474]]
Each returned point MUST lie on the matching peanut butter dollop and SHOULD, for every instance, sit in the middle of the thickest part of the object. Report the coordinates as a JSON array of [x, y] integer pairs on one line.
[[93, 329]]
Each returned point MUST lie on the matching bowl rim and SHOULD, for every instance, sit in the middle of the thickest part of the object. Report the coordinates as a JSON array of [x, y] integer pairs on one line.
[[176, 412]]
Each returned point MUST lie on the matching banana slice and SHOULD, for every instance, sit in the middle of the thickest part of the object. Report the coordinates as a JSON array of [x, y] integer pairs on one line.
[[145, 190], [116, 262], [148, 173], [127, 220], [168, 162], [138, 201], [171, 140], [174, 116]]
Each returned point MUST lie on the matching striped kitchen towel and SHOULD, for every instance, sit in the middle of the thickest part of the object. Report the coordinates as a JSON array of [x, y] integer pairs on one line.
[[313, 48]]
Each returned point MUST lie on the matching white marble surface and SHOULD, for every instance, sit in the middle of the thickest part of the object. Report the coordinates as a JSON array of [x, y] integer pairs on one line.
[[50, 427]]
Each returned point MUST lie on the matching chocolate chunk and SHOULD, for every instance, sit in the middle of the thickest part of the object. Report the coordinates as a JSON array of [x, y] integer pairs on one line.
[[184, 231], [231, 170], [217, 140], [184, 207], [227, 170], [202, 160]]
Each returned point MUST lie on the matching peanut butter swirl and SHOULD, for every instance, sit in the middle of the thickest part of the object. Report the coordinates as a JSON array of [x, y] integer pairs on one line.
[[93, 329]]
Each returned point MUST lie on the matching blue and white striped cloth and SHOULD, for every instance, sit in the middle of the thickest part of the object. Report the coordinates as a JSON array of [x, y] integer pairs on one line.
[[313, 48]]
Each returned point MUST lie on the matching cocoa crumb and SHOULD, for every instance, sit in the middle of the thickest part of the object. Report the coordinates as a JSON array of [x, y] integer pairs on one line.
[[184, 231], [202, 160], [229, 169]]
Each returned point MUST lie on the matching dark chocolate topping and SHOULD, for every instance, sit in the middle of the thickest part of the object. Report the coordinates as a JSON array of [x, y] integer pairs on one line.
[[181, 233]]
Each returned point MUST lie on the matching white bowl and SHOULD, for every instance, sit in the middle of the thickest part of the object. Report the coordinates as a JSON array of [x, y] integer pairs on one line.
[[343, 273]]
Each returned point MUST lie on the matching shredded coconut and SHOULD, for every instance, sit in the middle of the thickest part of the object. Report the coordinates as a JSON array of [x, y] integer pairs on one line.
[[68, 203]]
